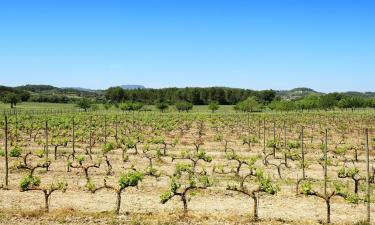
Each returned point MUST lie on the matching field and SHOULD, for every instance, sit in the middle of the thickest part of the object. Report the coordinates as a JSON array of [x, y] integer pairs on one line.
[[221, 163]]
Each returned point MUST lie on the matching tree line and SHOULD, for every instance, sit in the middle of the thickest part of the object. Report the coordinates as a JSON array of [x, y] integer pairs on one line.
[[196, 96], [185, 98], [325, 102]]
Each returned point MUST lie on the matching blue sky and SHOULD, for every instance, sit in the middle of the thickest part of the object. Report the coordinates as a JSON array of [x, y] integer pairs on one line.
[[328, 45]]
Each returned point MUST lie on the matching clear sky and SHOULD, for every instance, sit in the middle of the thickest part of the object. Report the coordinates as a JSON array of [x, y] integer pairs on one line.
[[328, 45]]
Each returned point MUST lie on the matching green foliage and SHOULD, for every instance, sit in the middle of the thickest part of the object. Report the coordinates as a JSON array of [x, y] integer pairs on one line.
[[40, 153], [293, 145], [128, 142], [249, 105], [213, 106], [353, 198], [185, 179], [157, 140], [352, 102], [203, 155], [184, 106], [90, 185], [131, 106], [84, 104], [2, 153], [107, 147], [321, 161], [348, 172], [272, 144], [130, 179], [250, 139], [69, 163], [342, 191], [80, 159], [282, 105], [59, 185], [307, 187], [165, 197], [267, 186], [293, 154], [11, 98], [107, 105], [328, 101], [15, 152], [183, 167], [162, 106], [309, 102], [306, 163], [29, 182], [152, 171], [197, 96], [340, 150], [115, 94]]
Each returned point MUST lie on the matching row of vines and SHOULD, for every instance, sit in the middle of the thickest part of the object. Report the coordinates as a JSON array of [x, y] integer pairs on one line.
[[322, 155]]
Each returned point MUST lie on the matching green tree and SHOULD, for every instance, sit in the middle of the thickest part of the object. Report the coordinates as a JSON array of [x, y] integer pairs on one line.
[[213, 106], [84, 104], [184, 106], [328, 101], [309, 102], [282, 105], [251, 104], [12, 99], [115, 94], [162, 106], [352, 102], [131, 106]]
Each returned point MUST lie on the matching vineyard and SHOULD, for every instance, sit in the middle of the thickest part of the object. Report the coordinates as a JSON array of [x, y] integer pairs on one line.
[[188, 168]]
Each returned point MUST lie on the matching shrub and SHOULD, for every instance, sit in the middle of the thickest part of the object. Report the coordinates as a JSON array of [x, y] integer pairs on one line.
[[15, 152], [213, 106], [184, 106], [108, 147], [249, 105], [162, 106]]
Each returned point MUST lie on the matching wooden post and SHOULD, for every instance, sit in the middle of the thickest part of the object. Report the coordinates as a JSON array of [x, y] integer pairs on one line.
[[116, 129], [46, 137], [90, 131], [248, 123], [6, 152], [325, 161], [303, 155], [285, 148], [16, 128], [259, 124], [367, 176], [46, 146], [264, 135], [274, 139], [73, 140], [105, 129]]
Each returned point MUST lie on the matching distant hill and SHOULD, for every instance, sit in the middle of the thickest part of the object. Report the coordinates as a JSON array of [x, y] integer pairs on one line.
[[301, 92], [132, 87], [48, 93], [363, 94], [296, 93], [80, 89]]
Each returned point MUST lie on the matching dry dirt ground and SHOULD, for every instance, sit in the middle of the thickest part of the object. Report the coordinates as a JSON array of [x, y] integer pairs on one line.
[[141, 205]]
